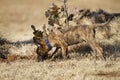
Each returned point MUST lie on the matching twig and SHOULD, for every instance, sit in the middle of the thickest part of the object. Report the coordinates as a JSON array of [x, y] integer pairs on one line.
[[65, 11]]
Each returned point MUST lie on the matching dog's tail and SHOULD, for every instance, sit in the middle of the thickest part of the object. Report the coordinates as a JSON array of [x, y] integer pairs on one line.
[[102, 24]]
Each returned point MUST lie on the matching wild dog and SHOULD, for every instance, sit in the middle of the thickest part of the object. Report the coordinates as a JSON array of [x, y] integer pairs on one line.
[[44, 45], [85, 16], [72, 36]]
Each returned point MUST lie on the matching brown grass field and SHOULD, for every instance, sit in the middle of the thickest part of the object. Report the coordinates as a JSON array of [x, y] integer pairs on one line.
[[16, 16]]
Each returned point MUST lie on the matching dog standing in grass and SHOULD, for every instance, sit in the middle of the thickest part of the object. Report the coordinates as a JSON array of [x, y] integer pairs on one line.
[[73, 35]]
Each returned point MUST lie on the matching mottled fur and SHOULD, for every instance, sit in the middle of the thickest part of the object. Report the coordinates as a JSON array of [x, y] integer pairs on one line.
[[78, 34]]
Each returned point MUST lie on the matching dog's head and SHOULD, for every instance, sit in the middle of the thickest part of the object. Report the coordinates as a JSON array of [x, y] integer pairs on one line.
[[37, 33]]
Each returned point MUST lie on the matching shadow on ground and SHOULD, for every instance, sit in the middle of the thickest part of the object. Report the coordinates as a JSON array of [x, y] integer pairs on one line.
[[109, 50]]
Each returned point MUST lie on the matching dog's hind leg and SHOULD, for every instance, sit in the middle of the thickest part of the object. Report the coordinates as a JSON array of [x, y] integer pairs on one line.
[[95, 47]]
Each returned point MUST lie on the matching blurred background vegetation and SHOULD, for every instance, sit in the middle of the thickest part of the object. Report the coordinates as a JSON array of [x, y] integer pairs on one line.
[[16, 16]]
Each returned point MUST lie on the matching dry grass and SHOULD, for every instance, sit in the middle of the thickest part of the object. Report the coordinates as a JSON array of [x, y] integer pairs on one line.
[[82, 69], [15, 20]]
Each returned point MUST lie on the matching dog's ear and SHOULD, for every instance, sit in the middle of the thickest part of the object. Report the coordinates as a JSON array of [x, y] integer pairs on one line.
[[33, 27]]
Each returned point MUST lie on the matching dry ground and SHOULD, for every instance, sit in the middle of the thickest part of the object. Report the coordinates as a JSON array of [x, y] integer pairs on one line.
[[83, 69], [16, 16]]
